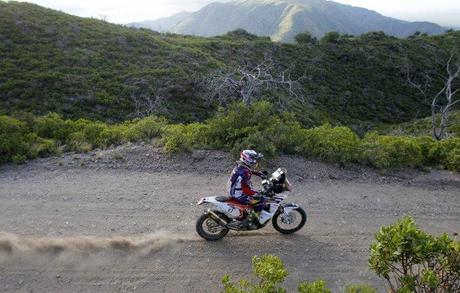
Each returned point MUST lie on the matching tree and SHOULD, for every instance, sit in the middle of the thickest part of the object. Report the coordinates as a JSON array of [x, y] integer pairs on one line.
[[444, 100], [330, 37], [305, 38], [144, 98], [247, 84]]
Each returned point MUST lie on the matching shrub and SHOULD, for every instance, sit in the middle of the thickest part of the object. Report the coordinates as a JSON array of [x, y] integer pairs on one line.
[[330, 37], [233, 125], [305, 38], [318, 286], [40, 147], [286, 134], [270, 271], [19, 158], [18, 144], [453, 160], [256, 140], [52, 126], [12, 141], [145, 129], [390, 151], [359, 288], [112, 135], [176, 139], [333, 144], [77, 142], [426, 143], [445, 153], [411, 260]]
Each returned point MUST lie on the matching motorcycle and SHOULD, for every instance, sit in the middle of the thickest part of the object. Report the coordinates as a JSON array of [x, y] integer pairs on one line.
[[228, 214]]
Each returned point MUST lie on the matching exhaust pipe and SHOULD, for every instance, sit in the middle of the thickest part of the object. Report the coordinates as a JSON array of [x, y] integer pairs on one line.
[[216, 217]]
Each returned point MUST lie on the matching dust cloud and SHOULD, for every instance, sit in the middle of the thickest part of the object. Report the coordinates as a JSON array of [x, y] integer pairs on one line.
[[13, 245]]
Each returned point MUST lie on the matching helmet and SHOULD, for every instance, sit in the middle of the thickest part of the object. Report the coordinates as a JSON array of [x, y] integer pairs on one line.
[[249, 158]]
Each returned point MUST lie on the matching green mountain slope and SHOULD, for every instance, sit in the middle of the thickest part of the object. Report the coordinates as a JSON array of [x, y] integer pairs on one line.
[[283, 19], [51, 61]]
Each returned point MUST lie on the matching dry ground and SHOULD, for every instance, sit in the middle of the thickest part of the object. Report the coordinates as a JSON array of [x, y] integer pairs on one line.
[[122, 220]]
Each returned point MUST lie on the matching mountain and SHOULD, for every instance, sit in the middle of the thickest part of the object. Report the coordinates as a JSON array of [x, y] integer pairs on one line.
[[84, 67], [283, 19], [164, 24]]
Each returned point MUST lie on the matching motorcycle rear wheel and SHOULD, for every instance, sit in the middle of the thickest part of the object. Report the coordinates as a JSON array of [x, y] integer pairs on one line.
[[209, 229], [280, 220]]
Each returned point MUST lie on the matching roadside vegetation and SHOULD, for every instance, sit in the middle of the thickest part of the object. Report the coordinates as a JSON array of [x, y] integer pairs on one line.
[[25, 136], [405, 257], [421, 127]]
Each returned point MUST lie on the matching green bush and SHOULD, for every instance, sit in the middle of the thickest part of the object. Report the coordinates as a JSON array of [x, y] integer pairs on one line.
[[113, 135], [453, 160], [259, 141], [12, 141], [257, 126], [52, 126], [426, 143], [40, 147], [145, 129], [238, 122], [270, 271], [318, 286], [390, 151], [359, 288], [18, 143], [77, 142], [333, 144], [445, 153], [411, 260], [179, 137]]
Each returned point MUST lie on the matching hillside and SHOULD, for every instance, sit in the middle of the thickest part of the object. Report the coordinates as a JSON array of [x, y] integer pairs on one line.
[[51, 61], [283, 19]]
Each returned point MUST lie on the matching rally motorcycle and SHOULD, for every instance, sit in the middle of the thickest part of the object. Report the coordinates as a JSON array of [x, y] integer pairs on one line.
[[229, 214]]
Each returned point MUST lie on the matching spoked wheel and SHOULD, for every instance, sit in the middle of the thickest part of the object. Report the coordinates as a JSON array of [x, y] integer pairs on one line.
[[209, 229], [288, 223]]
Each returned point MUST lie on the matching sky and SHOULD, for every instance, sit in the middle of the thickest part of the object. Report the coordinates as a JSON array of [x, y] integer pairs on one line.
[[443, 12]]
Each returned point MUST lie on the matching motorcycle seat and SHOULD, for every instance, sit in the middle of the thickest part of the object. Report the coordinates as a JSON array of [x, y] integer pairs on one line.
[[223, 198]]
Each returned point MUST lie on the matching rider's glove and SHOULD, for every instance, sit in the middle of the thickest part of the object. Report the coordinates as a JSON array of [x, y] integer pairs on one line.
[[264, 174], [256, 198]]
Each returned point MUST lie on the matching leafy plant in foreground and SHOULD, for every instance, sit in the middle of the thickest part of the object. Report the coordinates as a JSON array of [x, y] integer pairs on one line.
[[411, 260]]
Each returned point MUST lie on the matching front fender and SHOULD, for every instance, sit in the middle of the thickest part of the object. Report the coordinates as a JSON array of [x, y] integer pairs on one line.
[[289, 207]]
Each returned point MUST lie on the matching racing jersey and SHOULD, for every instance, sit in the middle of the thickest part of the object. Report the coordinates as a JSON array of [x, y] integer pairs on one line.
[[240, 182]]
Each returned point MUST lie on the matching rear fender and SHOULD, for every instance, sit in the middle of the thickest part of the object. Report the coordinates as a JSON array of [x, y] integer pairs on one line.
[[229, 210], [211, 199]]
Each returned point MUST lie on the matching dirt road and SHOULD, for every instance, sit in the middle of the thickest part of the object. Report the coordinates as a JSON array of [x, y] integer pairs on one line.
[[123, 221]]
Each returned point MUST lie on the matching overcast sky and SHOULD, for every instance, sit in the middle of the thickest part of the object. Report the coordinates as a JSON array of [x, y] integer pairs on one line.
[[443, 12]]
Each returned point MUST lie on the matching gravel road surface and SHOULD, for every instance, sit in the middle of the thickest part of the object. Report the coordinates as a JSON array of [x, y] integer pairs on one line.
[[123, 220]]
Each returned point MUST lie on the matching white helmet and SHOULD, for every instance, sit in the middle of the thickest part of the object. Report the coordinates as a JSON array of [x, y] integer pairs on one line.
[[249, 158]]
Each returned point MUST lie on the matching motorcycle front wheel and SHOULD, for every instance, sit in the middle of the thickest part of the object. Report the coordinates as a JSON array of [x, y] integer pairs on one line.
[[209, 229], [288, 223]]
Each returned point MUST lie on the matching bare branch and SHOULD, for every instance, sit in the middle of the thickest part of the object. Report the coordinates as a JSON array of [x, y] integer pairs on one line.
[[249, 83], [440, 107]]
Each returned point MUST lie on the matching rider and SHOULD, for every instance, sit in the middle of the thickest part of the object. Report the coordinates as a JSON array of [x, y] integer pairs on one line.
[[240, 180]]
